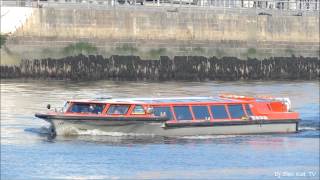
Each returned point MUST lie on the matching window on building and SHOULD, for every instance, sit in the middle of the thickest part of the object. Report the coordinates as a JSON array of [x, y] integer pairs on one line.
[[248, 109], [138, 109], [236, 111], [201, 112], [118, 109], [219, 112], [163, 112], [182, 113]]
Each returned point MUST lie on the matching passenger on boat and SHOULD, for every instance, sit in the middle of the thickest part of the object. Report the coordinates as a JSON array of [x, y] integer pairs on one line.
[[96, 109], [120, 110], [87, 108], [163, 114], [116, 111], [80, 108]]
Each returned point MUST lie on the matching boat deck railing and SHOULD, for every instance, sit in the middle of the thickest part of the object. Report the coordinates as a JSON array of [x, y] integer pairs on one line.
[[151, 100]]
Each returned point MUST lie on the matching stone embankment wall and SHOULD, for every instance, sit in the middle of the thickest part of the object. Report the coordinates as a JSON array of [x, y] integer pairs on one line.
[[151, 32], [179, 68]]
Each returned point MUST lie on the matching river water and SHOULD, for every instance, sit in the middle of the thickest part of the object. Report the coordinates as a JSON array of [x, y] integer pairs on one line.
[[28, 152]]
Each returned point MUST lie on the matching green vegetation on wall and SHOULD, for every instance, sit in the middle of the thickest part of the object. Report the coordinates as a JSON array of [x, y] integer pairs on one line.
[[198, 51], [252, 52], [219, 53], [80, 48], [126, 49], [3, 39], [156, 53], [290, 52]]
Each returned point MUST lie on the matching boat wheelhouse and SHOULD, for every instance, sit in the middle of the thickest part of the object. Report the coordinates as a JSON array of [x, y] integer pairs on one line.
[[177, 116]]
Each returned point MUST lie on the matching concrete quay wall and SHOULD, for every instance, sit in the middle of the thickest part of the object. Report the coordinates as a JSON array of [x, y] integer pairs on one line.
[[169, 31]]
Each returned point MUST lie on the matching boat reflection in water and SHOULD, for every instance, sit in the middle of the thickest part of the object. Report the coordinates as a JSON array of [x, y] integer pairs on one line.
[[176, 116]]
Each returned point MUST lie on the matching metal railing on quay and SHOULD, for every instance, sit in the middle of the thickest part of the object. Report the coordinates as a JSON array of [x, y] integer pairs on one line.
[[308, 6]]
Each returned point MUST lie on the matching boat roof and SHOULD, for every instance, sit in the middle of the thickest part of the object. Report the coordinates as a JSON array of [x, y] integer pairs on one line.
[[160, 100]]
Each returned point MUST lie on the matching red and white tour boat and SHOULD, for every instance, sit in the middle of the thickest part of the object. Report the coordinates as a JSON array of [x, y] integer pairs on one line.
[[176, 116]]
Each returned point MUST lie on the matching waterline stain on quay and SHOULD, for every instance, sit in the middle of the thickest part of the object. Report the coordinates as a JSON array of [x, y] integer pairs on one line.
[[195, 68]]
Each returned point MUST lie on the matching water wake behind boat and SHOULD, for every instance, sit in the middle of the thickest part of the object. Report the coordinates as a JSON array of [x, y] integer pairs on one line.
[[97, 132], [41, 131], [211, 137]]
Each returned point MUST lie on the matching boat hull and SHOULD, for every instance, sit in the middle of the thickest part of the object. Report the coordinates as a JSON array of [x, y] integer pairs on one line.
[[69, 127]]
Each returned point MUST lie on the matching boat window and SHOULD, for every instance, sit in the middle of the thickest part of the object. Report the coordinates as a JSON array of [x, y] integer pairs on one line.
[[248, 109], [182, 113], [138, 109], [96, 108], [118, 109], [236, 111], [219, 112], [201, 112], [87, 108], [163, 112]]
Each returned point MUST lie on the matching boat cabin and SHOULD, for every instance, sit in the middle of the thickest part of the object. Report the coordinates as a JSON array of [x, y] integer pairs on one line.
[[179, 109], [175, 109]]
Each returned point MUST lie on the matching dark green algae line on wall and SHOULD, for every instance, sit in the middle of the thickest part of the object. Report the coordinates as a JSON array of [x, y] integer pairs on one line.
[[191, 68]]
